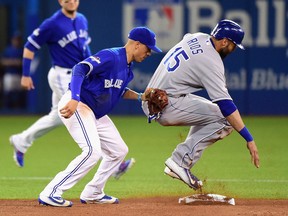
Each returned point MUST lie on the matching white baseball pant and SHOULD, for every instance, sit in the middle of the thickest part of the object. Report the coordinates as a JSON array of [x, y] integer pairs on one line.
[[97, 138], [58, 79], [208, 125]]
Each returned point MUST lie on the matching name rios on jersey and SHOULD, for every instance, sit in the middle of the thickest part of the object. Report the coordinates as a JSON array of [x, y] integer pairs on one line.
[[71, 37]]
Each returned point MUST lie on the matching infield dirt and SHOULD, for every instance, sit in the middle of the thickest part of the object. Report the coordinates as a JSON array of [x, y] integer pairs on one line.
[[162, 206]]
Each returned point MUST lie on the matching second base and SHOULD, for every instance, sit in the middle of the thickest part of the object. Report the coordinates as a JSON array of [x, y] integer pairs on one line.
[[207, 199]]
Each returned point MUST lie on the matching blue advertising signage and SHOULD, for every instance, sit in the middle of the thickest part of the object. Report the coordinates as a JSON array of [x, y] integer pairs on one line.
[[257, 78]]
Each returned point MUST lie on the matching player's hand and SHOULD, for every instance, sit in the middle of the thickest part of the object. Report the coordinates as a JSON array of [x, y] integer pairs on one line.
[[68, 110], [27, 83], [254, 153]]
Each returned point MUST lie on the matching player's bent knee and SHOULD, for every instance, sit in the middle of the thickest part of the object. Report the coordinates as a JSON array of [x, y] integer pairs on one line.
[[93, 158], [91, 155], [121, 154], [124, 151], [226, 131], [166, 122]]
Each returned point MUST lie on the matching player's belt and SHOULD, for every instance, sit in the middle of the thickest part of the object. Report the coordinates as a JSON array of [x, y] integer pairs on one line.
[[67, 70]]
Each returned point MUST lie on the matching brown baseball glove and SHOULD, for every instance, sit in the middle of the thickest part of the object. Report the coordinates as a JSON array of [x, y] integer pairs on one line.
[[157, 100]]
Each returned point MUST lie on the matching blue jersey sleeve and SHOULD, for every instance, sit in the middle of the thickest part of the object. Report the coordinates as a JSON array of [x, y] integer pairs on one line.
[[101, 62], [39, 36], [98, 64], [227, 107], [79, 72]]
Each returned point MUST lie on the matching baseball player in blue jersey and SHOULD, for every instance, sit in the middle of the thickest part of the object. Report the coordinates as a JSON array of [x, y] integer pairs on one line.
[[97, 84], [66, 34], [11, 62], [196, 63]]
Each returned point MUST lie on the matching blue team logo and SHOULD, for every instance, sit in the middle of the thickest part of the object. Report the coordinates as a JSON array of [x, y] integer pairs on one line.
[[164, 17]]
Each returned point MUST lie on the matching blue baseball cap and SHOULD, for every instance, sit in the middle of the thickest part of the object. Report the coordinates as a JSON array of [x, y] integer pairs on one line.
[[145, 36]]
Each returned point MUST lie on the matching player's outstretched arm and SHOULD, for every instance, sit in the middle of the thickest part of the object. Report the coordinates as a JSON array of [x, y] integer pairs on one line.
[[237, 123], [131, 94], [157, 99], [254, 153]]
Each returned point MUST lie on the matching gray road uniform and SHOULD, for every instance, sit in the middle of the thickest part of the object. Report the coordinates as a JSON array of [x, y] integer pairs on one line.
[[192, 65]]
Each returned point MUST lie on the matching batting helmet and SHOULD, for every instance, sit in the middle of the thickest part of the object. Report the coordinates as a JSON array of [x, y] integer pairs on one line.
[[230, 30]]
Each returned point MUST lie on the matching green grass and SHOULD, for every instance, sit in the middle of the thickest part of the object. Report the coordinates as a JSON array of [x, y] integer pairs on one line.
[[225, 166]]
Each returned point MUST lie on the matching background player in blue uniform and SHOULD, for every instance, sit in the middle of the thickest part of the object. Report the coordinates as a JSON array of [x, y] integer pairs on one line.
[[11, 61], [66, 34], [97, 84]]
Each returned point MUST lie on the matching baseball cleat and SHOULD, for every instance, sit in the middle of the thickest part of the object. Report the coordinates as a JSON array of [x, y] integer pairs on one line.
[[104, 200], [175, 171], [54, 201], [124, 167], [168, 171], [18, 156]]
